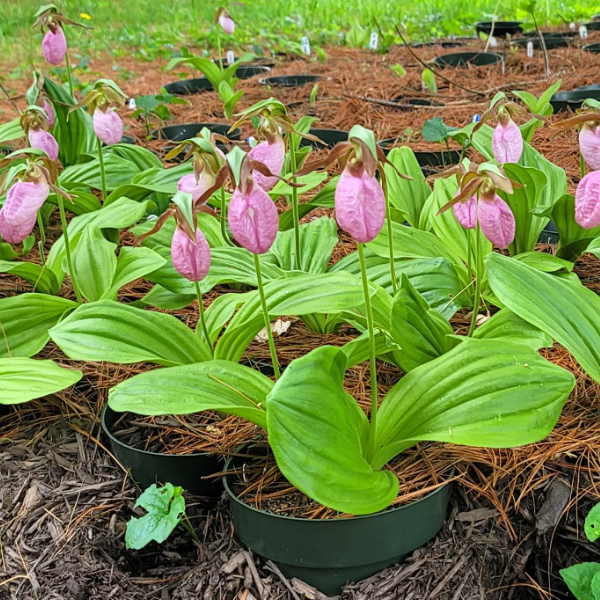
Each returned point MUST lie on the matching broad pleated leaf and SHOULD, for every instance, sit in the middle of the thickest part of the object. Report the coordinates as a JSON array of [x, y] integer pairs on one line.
[[41, 278], [212, 385], [318, 434], [24, 379], [567, 311], [118, 171], [486, 393], [108, 331], [25, 321]]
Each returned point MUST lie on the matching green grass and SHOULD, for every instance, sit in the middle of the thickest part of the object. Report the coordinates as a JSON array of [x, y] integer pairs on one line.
[[147, 28]]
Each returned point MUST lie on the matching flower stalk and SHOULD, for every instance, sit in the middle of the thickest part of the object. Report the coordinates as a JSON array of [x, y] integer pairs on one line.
[[102, 171], [478, 277], [203, 319], [63, 219]]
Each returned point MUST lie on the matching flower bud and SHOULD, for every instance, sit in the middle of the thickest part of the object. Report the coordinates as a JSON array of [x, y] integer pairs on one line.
[[227, 23], [466, 213], [24, 199], [49, 111], [587, 201], [272, 155], [191, 260], [507, 142], [359, 205], [496, 221], [54, 46], [45, 141], [189, 184], [589, 145], [108, 126], [253, 219]]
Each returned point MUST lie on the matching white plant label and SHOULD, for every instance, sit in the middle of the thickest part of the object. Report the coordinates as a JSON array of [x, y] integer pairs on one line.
[[374, 40], [305, 46], [493, 42], [583, 33], [503, 67], [131, 104], [572, 26], [230, 57], [530, 49]]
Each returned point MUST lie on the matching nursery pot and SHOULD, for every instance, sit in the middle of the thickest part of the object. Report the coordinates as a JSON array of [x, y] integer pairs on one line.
[[593, 26], [246, 72], [127, 139], [328, 553], [257, 62], [185, 470], [573, 99], [290, 80], [595, 48], [189, 86], [549, 234], [329, 138], [410, 103], [500, 28], [439, 43], [552, 41], [462, 59]]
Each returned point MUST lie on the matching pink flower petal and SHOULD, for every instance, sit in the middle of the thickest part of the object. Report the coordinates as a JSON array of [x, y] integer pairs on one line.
[[54, 46], [226, 22], [45, 141], [359, 206], [466, 213], [24, 199], [15, 234], [496, 221], [108, 126], [189, 184], [589, 144], [253, 219], [587, 201], [190, 260], [49, 111], [272, 155], [507, 143]]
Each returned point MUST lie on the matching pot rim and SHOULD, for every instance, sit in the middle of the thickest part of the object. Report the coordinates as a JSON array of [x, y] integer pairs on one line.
[[155, 133], [311, 78], [227, 473]]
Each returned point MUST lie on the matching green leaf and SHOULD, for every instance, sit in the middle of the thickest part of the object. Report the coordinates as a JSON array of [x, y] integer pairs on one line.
[[118, 171], [569, 312], [318, 434], [325, 197], [212, 385], [25, 320], [435, 130], [94, 263], [317, 241], [160, 297], [579, 579], [418, 330], [165, 506], [407, 196], [506, 325], [11, 130], [24, 379], [42, 278], [398, 70], [592, 524], [429, 80], [486, 393], [107, 331]]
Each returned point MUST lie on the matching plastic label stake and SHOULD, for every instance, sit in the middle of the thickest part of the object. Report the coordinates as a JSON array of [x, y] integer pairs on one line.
[[493, 42], [305, 45], [230, 57], [583, 32], [374, 40], [530, 49]]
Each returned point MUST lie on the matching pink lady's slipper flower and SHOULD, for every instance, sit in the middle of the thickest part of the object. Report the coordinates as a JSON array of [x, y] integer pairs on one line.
[[496, 220], [190, 259], [466, 212], [589, 144], [108, 126], [45, 141], [54, 45], [196, 187], [226, 22], [49, 112], [507, 142], [271, 153], [587, 201], [19, 212], [253, 218], [359, 204]]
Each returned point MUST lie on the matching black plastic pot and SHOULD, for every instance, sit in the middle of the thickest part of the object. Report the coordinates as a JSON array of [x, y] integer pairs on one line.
[[549, 234], [328, 553], [290, 80], [573, 99], [329, 137], [257, 62], [127, 139], [439, 44], [428, 161], [595, 48], [246, 72], [552, 41], [185, 470], [417, 102], [501, 28], [463, 59], [186, 87]]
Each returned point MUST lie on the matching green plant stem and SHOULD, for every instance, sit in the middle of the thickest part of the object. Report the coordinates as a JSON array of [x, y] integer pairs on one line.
[[263, 302], [295, 210], [368, 310], [42, 241], [224, 218], [63, 220], [219, 51], [203, 319], [102, 173], [581, 166], [390, 241], [477, 280], [186, 523], [69, 74]]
